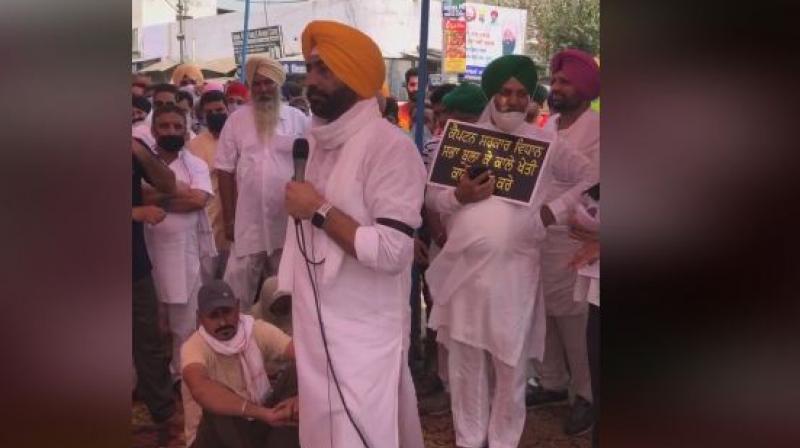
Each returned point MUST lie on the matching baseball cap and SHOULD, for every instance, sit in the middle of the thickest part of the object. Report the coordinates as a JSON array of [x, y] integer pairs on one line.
[[215, 294]]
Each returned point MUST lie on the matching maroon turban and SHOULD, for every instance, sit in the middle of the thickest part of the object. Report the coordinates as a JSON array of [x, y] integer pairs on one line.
[[581, 70]]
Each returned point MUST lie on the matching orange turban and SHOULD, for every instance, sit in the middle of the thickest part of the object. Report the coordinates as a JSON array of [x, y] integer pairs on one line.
[[350, 54], [192, 71]]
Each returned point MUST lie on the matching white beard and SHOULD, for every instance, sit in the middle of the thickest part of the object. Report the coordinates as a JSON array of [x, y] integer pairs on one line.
[[505, 121], [266, 117]]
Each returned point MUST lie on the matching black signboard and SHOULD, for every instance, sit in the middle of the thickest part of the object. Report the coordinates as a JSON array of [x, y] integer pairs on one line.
[[514, 160], [259, 40]]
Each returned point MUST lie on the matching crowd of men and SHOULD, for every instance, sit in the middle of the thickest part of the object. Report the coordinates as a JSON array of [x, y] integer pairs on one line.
[[286, 311]]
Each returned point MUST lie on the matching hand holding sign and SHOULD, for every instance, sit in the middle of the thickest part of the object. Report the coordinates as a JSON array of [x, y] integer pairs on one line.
[[515, 162], [474, 190]]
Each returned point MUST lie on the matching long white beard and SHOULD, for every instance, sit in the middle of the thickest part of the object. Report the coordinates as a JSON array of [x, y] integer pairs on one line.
[[267, 114], [505, 121]]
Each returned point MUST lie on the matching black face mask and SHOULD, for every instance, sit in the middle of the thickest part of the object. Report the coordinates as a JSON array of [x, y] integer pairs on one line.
[[172, 143], [215, 122]]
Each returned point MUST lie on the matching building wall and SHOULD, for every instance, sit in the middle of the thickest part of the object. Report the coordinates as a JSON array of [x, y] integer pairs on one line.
[[393, 24]]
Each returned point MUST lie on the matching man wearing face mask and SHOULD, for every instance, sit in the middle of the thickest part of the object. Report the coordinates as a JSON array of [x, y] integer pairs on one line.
[[489, 312], [177, 243], [214, 114], [564, 372], [188, 75], [163, 94], [254, 162]]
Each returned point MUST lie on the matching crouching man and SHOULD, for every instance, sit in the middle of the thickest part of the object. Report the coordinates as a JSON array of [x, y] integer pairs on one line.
[[225, 383]]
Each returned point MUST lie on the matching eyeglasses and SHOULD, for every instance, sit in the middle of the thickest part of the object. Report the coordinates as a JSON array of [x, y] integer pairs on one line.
[[186, 82]]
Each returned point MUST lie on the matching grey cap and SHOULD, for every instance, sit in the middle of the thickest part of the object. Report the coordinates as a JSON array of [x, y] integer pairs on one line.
[[216, 294]]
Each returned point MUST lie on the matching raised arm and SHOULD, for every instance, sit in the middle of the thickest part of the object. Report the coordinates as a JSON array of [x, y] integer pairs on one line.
[[393, 191], [156, 172]]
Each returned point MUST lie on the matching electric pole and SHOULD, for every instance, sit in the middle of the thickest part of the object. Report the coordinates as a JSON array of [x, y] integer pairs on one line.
[[181, 36]]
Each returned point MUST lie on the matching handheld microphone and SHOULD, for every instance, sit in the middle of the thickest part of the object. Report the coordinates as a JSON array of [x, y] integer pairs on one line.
[[300, 156]]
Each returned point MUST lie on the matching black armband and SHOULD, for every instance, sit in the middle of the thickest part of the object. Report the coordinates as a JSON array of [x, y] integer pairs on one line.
[[397, 225]]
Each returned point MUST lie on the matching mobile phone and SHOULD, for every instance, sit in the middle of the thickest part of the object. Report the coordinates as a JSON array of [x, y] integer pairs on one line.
[[476, 170]]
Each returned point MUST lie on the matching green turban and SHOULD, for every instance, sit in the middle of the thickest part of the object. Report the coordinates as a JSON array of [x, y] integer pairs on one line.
[[466, 98], [504, 68]]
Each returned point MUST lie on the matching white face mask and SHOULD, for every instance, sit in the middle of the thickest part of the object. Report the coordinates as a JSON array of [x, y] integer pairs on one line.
[[232, 107], [506, 121]]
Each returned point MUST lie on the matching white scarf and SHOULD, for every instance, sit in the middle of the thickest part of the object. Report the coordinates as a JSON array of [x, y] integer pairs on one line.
[[244, 345], [504, 121], [351, 134]]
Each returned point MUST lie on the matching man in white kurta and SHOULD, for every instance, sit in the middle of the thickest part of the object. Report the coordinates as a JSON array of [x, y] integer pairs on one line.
[[363, 192], [254, 162], [176, 244], [488, 310], [575, 83]]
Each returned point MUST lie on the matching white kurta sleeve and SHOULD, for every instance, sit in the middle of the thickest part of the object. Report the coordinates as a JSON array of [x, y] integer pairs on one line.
[[200, 175], [570, 166], [441, 200], [227, 152], [394, 189]]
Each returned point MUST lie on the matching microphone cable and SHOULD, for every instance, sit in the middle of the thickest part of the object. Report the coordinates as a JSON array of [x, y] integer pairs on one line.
[[301, 244]]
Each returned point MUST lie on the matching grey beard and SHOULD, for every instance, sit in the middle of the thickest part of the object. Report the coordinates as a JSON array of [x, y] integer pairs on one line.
[[267, 114]]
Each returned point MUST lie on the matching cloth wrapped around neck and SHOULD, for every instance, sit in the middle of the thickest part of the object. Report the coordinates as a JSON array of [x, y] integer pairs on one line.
[[244, 345], [350, 135]]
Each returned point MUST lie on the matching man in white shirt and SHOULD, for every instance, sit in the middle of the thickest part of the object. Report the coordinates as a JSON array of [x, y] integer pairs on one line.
[[253, 163], [176, 244], [362, 195], [163, 95], [488, 306], [214, 114], [575, 79]]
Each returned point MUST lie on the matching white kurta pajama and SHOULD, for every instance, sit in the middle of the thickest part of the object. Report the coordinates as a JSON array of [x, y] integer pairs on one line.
[[367, 168], [488, 306], [566, 362], [175, 246], [261, 172]]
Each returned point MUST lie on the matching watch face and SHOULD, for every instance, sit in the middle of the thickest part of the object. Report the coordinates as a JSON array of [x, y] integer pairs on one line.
[[318, 220]]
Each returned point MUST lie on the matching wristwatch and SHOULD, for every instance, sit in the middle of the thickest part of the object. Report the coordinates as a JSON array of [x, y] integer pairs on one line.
[[321, 215]]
